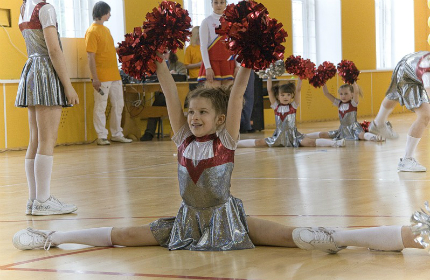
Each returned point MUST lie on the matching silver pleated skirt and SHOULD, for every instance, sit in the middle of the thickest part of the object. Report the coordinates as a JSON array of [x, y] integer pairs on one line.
[[405, 86], [218, 228], [40, 84]]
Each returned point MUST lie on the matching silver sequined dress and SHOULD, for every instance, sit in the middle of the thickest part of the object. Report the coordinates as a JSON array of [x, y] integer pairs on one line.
[[39, 83], [349, 128], [286, 134], [408, 83], [209, 218]]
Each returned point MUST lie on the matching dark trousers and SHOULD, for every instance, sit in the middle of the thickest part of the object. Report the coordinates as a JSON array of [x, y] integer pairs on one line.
[[245, 120], [159, 100]]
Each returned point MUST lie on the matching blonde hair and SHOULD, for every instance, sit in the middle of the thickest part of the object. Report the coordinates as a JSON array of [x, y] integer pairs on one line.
[[351, 89], [195, 35]]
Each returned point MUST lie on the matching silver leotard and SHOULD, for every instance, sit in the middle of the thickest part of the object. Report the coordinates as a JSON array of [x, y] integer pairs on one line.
[[210, 218], [286, 133], [39, 83], [349, 128]]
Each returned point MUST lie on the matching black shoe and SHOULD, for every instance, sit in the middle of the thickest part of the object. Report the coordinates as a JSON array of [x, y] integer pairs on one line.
[[146, 137], [251, 130], [242, 131]]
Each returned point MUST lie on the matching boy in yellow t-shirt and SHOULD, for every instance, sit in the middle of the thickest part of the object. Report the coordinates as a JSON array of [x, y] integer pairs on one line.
[[106, 79], [193, 57]]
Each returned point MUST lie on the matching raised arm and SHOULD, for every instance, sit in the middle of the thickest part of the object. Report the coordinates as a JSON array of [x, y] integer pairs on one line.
[[297, 94], [327, 94], [58, 61], [272, 97], [174, 107], [235, 103], [356, 93]]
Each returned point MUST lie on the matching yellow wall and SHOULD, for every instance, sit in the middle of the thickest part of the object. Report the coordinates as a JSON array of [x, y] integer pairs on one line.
[[11, 60]]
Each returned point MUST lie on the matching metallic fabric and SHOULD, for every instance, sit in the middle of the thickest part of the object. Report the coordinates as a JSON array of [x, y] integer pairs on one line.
[[406, 87], [349, 128], [286, 133], [210, 218], [39, 83], [421, 226]]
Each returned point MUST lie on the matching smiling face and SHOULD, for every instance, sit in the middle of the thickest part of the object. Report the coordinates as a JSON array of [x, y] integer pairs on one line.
[[285, 98], [345, 94], [202, 117], [218, 6]]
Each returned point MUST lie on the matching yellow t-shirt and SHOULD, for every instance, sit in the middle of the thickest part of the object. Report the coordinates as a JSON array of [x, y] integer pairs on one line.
[[98, 40], [193, 55]]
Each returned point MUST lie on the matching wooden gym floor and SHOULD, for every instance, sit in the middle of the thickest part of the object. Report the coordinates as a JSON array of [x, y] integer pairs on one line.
[[133, 184]]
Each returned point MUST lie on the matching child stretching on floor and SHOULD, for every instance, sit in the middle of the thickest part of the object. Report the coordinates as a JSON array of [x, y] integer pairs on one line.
[[210, 218], [285, 100], [349, 128]]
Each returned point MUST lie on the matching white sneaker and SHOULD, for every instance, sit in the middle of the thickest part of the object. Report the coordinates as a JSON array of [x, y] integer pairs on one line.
[[377, 138], [386, 130], [102, 142], [121, 139], [316, 239], [410, 165], [29, 207], [339, 143], [28, 239], [52, 206]]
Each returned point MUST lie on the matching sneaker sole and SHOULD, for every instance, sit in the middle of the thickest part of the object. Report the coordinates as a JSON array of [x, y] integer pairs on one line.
[[407, 170], [47, 213]]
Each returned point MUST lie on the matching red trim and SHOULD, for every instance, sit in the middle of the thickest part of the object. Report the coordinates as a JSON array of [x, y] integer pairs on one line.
[[222, 155], [350, 109], [284, 115]]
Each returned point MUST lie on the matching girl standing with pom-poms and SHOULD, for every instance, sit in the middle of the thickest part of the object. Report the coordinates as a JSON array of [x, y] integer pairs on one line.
[[410, 86], [210, 218], [217, 67]]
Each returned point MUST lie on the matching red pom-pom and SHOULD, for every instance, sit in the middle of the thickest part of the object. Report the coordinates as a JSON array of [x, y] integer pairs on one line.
[[296, 65], [137, 55], [166, 27], [365, 126], [252, 35], [348, 71], [324, 72]]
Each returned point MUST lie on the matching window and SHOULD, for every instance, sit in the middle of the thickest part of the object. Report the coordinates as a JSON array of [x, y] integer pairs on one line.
[[75, 16], [394, 38], [317, 30], [200, 9]]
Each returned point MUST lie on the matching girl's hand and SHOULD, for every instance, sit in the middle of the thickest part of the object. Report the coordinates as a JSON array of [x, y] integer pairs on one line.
[[71, 95], [96, 84], [210, 75]]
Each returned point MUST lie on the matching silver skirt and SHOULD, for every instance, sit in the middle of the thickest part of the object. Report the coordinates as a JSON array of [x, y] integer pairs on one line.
[[217, 228], [40, 84]]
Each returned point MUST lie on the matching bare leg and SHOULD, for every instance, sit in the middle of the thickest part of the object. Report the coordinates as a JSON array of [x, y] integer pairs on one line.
[[48, 119], [212, 84], [133, 236], [324, 134], [268, 233], [32, 123], [226, 83], [308, 142], [387, 106], [261, 143], [421, 122]]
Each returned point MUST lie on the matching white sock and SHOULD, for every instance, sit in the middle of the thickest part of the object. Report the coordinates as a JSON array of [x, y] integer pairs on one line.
[[324, 142], [100, 237], [387, 238], [411, 145], [382, 115], [31, 181], [313, 135], [42, 174], [247, 143], [369, 136]]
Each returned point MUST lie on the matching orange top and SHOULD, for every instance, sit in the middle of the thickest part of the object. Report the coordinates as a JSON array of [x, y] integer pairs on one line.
[[98, 40], [193, 55]]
